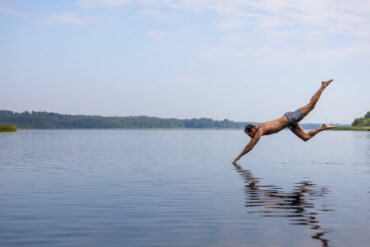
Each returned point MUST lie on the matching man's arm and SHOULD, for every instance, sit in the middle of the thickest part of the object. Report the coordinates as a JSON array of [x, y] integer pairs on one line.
[[250, 146]]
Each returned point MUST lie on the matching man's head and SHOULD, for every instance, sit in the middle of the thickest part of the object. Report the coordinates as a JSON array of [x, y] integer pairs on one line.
[[250, 130]]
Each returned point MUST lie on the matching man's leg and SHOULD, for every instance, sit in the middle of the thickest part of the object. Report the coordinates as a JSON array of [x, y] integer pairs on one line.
[[315, 98], [298, 131]]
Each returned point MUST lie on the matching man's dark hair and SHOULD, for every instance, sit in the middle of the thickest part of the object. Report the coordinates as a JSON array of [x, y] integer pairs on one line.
[[249, 127]]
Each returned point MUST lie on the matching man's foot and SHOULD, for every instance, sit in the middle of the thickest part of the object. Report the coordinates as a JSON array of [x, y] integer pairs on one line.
[[327, 126], [326, 83]]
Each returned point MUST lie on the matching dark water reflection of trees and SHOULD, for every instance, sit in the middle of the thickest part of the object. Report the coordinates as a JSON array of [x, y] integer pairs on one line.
[[298, 206]]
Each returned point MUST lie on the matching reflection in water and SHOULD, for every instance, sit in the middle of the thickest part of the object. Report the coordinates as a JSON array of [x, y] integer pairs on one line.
[[298, 205]]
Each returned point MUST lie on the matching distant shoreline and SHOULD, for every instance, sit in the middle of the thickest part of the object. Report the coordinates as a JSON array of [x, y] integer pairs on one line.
[[352, 128], [50, 120]]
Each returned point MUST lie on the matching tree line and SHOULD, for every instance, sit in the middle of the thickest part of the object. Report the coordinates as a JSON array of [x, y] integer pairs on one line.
[[362, 122], [50, 120]]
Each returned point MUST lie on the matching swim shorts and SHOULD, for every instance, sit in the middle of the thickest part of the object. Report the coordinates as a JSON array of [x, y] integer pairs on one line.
[[294, 117]]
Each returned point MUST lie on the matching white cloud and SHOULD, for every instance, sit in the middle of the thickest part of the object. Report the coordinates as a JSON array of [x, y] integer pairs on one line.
[[316, 25], [155, 12], [90, 3], [271, 19], [158, 35], [67, 17], [11, 11], [71, 18]]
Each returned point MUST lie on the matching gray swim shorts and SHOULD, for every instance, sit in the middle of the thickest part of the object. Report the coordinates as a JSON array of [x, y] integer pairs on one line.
[[294, 117]]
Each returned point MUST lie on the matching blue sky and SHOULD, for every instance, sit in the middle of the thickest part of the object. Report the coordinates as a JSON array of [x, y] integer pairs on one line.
[[236, 59]]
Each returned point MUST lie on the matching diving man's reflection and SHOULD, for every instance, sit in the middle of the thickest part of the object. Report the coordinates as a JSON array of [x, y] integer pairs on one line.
[[295, 205]]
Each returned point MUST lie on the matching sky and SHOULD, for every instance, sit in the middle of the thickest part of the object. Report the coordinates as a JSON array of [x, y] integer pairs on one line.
[[244, 60]]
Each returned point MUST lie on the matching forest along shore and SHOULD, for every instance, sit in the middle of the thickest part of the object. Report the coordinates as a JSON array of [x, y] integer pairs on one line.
[[359, 124]]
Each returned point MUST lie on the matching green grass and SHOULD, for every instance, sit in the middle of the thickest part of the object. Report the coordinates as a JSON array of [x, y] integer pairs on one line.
[[8, 128], [365, 128]]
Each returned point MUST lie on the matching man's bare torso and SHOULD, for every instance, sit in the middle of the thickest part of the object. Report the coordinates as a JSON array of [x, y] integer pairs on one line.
[[273, 126]]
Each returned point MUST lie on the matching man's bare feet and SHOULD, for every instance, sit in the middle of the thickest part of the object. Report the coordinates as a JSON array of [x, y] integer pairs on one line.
[[327, 127], [326, 83]]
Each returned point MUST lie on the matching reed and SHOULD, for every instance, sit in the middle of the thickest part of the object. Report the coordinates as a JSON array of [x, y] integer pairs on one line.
[[8, 128], [353, 128]]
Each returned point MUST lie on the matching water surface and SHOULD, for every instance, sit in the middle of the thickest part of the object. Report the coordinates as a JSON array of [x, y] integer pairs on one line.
[[179, 188]]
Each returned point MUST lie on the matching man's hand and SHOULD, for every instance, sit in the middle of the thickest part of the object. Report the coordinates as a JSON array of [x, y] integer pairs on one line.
[[250, 145]]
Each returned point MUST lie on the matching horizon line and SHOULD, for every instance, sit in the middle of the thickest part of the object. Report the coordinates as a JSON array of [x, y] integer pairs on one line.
[[105, 116]]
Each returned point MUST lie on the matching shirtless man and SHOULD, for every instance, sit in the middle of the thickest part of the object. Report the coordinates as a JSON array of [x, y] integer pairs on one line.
[[290, 119]]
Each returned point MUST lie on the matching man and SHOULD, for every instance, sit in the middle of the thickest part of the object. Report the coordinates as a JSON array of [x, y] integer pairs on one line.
[[290, 119]]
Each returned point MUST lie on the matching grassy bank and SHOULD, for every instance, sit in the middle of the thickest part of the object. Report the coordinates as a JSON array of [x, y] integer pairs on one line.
[[8, 128], [353, 128]]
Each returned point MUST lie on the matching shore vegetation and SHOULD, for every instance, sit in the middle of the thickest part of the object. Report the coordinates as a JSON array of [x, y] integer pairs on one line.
[[8, 128]]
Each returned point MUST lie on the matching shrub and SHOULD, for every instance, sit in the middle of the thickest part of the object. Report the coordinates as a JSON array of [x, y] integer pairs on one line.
[[8, 128]]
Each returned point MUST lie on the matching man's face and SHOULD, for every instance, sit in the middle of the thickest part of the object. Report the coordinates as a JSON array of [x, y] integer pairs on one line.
[[251, 132]]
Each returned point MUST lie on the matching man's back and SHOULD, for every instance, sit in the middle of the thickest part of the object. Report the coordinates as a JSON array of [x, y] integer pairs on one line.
[[273, 126]]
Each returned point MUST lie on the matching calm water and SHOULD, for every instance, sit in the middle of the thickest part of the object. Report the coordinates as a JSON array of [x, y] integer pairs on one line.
[[179, 188]]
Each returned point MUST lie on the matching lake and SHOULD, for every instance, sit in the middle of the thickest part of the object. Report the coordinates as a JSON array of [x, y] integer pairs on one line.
[[179, 188]]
